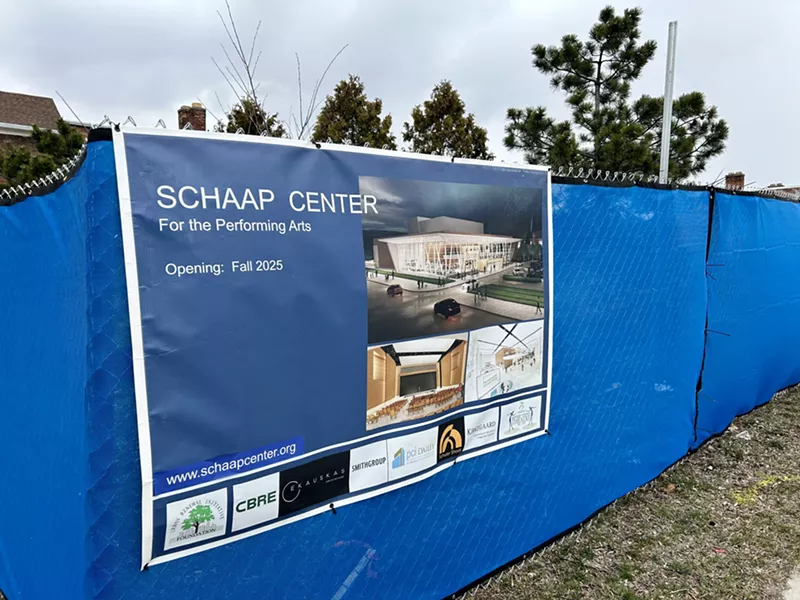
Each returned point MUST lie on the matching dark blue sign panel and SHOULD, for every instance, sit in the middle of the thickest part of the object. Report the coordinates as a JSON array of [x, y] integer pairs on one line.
[[310, 323]]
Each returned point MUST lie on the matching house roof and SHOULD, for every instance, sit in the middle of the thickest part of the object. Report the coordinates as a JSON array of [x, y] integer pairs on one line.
[[22, 109]]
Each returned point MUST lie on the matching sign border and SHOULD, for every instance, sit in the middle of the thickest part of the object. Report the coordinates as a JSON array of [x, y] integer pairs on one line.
[[137, 342]]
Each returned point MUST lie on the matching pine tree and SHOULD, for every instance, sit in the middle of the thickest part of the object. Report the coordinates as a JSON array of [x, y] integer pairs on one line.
[[441, 126], [606, 131], [253, 119], [18, 165], [348, 116]]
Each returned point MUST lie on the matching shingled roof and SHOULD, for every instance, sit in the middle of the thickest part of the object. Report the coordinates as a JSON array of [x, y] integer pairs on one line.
[[22, 109]]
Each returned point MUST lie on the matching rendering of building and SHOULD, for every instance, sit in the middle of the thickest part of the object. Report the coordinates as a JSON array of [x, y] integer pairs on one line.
[[415, 379], [445, 246]]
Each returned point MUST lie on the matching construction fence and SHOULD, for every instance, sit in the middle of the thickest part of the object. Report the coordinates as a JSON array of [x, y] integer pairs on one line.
[[675, 311]]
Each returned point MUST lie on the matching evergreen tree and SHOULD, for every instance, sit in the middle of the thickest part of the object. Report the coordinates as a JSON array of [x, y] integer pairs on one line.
[[348, 116], [18, 165], [441, 126], [252, 118], [606, 130]]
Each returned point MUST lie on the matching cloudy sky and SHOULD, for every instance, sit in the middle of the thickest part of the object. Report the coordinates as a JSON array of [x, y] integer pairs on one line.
[[145, 58]]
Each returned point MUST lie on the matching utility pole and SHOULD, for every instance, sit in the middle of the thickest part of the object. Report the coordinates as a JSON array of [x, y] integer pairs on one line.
[[666, 122]]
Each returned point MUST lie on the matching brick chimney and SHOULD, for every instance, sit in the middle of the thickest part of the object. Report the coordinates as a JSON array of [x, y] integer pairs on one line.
[[195, 115], [734, 181]]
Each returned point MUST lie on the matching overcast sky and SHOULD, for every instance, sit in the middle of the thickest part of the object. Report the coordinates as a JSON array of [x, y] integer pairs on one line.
[[145, 58]]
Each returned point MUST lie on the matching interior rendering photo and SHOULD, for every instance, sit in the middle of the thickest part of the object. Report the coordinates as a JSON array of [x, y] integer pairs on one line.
[[415, 379], [504, 359]]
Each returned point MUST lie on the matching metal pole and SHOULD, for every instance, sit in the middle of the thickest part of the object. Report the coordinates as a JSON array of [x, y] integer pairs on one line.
[[666, 122]]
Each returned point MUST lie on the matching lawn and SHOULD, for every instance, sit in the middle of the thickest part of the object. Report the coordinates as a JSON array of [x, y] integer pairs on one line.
[[513, 294], [522, 279], [722, 524], [431, 280]]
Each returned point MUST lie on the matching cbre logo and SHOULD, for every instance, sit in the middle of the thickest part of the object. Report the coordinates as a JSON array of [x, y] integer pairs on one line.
[[451, 439]]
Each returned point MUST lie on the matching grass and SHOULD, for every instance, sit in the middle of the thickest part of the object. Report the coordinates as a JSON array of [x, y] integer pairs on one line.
[[431, 280], [722, 524], [522, 279], [513, 294]]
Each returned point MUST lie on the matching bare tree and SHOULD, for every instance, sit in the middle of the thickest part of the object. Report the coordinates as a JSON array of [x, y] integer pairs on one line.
[[249, 115], [300, 127]]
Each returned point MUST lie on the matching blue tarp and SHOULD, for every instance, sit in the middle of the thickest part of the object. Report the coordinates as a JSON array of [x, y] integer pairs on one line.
[[753, 308], [43, 301], [630, 308]]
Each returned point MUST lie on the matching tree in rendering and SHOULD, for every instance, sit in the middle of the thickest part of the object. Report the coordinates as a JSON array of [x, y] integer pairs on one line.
[[348, 116], [442, 126], [607, 131]]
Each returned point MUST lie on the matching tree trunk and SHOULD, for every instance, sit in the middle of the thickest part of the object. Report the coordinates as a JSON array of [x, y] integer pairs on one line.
[[196, 527], [596, 119]]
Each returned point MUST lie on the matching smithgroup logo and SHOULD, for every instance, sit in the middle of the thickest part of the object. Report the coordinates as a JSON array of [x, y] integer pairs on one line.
[[368, 464]]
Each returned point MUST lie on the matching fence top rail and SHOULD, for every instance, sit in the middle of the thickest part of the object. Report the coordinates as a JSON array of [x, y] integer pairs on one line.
[[564, 175]]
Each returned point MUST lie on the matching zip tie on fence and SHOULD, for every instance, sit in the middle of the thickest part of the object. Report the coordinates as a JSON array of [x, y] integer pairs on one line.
[[160, 123]]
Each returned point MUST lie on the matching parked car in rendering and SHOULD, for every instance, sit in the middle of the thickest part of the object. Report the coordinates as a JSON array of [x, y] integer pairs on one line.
[[447, 308], [394, 290]]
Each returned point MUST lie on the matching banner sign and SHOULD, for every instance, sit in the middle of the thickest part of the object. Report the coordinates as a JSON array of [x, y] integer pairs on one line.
[[315, 325]]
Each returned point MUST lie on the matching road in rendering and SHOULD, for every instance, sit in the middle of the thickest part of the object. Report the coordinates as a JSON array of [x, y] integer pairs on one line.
[[411, 315]]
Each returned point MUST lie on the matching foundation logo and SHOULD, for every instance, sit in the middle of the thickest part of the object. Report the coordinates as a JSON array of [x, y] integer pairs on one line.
[[314, 482], [520, 417], [196, 519], [451, 439]]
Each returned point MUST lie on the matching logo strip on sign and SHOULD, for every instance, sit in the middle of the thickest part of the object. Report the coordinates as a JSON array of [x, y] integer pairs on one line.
[[347, 477]]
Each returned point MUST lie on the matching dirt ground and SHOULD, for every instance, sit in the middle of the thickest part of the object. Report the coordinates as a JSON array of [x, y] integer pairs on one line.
[[722, 524]]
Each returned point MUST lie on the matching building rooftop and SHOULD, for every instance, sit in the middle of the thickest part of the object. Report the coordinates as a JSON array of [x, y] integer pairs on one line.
[[457, 238], [22, 109]]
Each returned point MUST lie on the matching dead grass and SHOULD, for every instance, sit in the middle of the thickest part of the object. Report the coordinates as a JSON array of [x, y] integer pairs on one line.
[[723, 524]]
